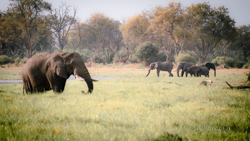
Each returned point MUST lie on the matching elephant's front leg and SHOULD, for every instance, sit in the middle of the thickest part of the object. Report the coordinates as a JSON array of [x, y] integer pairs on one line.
[[158, 72], [59, 84], [195, 74], [182, 73]]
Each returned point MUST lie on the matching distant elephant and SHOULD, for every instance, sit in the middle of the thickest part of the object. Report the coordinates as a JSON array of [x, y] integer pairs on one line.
[[198, 71], [209, 66], [50, 72], [204, 71], [161, 66], [183, 67]]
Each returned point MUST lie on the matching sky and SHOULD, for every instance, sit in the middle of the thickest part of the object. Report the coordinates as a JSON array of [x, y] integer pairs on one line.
[[124, 9]]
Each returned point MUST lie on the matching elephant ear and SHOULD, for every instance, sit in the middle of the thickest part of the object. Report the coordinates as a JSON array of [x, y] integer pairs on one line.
[[57, 65]]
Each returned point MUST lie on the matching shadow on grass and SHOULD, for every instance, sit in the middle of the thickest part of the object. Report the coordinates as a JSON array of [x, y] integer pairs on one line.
[[169, 137]]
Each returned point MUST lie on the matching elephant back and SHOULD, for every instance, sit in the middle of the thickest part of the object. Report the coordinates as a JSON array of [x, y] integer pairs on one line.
[[166, 65]]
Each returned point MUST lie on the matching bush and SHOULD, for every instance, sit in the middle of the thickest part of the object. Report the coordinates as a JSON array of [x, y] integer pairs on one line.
[[17, 61], [98, 60], [161, 56], [132, 59], [245, 66], [229, 62], [121, 57], [239, 64], [147, 53], [185, 57], [24, 60], [4, 59]]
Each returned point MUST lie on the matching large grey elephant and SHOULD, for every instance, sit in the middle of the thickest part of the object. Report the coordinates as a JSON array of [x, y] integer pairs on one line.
[[198, 71], [183, 67], [50, 72], [161, 66], [209, 66]]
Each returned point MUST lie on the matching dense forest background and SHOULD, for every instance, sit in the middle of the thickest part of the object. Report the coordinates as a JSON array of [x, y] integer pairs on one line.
[[163, 34]]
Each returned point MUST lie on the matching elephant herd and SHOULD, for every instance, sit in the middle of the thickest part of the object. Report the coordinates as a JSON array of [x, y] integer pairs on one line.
[[185, 67], [49, 72]]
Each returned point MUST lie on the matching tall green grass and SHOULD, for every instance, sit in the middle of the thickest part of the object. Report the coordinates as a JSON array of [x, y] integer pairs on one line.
[[131, 107]]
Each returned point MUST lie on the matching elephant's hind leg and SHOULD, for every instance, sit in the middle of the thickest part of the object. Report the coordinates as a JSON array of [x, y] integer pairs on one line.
[[170, 74]]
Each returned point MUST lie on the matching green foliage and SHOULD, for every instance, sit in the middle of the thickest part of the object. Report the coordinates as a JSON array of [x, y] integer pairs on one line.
[[24, 60], [133, 59], [25, 23], [228, 60], [245, 66], [147, 52], [185, 57], [17, 61], [121, 56], [4, 59], [239, 64], [161, 56]]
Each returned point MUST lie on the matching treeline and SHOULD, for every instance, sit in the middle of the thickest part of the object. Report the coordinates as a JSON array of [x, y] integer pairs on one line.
[[163, 33]]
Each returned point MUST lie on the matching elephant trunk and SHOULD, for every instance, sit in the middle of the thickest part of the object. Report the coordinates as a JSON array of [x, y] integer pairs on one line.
[[148, 72], [85, 74], [90, 85]]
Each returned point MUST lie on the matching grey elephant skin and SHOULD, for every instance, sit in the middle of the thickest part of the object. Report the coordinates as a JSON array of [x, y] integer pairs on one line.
[[198, 71], [161, 66], [50, 72], [183, 67], [209, 66]]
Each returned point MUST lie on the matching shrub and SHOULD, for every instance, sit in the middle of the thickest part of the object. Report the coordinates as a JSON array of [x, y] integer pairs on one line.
[[4, 59], [147, 53], [161, 56], [24, 60], [121, 57], [132, 59], [98, 60], [185, 57], [17, 61], [229, 62], [245, 66], [239, 64]]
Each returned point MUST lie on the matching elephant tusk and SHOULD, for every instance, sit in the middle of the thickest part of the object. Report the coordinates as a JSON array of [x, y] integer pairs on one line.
[[78, 78]]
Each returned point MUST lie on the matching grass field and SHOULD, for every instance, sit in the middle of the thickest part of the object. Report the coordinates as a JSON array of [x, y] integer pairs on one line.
[[129, 107]]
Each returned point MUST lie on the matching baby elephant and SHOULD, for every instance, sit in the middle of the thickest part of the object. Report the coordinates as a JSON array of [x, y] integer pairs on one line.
[[161, 66]]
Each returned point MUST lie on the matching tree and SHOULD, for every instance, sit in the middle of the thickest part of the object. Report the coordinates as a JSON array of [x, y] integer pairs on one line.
[[134, 32], [211, 27], [27, 25], [147, 53], [165, 26], [61, 23], [243, 41], [99, 35]]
